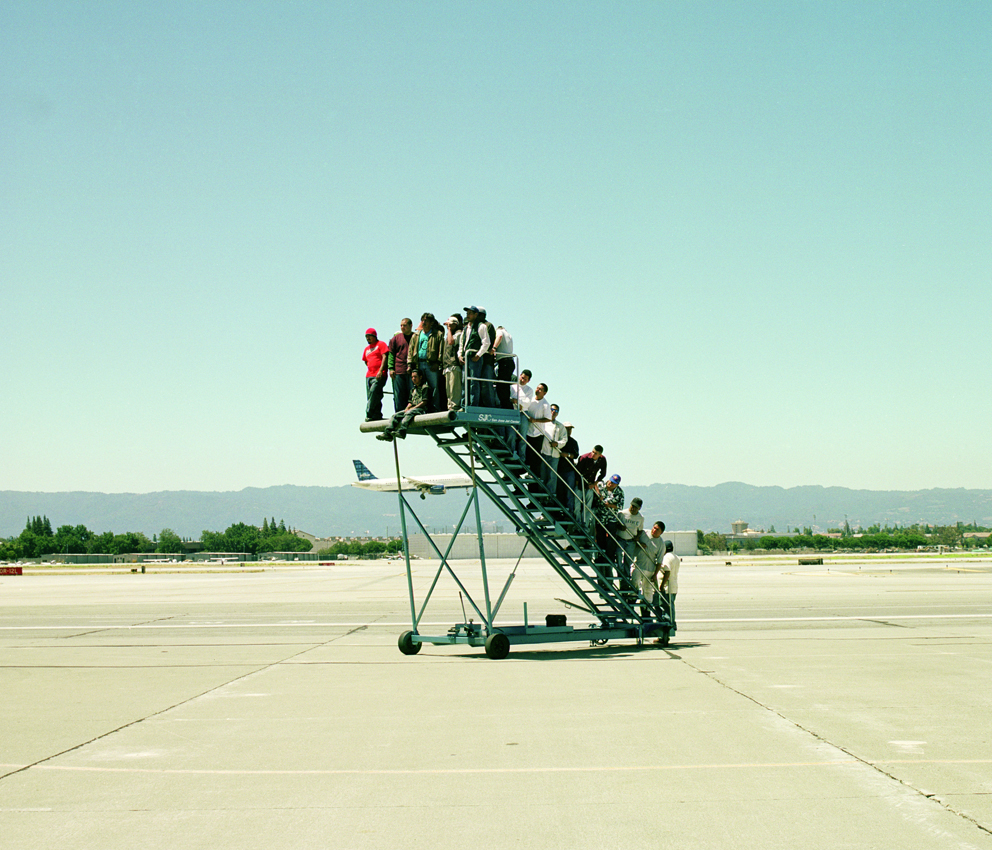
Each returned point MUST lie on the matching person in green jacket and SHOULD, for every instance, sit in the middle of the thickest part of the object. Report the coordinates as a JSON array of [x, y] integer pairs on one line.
[[426, 347]]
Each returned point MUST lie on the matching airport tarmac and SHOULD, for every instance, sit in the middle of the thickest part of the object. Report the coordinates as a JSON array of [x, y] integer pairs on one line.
[[844, 706]]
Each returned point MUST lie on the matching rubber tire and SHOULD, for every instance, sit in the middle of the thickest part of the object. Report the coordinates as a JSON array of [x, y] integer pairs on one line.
[[406, 644], [497, 646], [665, 638]]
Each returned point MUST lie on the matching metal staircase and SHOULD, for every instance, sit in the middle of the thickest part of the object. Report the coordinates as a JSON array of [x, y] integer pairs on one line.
[[474, 440], [551, 529]]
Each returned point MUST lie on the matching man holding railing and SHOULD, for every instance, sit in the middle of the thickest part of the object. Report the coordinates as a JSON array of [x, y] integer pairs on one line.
[[555, 436], [475, 343], [591, 468], [630, 527], [503, 349], [521, 395], [538, 413], [567, 474], [650, 551]]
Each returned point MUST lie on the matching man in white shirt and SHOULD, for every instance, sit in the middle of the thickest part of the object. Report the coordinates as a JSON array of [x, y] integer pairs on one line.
[[669, 583], [538, 413], [521, 396], [555, 436], [503, 349]]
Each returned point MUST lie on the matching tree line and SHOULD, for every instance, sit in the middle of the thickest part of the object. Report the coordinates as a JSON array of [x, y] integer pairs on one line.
[[873, 539], [38, 539], [362, 549]]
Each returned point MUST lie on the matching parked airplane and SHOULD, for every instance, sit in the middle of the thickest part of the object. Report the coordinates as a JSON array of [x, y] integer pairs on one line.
[[433, 485]]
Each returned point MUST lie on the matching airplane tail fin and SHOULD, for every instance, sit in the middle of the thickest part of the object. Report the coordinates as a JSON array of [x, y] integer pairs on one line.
[[362, 471]]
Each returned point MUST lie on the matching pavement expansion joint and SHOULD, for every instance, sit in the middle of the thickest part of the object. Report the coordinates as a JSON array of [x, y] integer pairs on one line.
[[874, 766], [42, 761]]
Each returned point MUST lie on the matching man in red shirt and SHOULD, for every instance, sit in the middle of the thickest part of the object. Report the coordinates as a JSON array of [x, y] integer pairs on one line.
[[592, 469], [375, 377]]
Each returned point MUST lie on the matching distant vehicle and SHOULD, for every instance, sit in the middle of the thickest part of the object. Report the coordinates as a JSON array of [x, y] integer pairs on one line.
[[428, 485]]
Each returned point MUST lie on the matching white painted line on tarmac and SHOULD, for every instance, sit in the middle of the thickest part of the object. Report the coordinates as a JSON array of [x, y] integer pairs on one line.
[[447, 771], [22, 809], [847, 762], [976, 616]]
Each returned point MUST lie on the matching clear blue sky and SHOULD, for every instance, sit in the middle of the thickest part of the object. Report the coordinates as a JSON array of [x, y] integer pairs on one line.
[[745, 242]]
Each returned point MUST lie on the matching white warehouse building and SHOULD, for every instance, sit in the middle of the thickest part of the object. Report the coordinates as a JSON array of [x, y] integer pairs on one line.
[[512, 545]]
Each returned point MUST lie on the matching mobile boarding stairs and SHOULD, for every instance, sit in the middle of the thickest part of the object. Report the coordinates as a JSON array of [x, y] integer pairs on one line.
[[474, 439]]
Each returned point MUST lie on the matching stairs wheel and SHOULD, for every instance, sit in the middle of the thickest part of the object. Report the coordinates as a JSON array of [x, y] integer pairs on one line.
[[406, 644], [497, 646]]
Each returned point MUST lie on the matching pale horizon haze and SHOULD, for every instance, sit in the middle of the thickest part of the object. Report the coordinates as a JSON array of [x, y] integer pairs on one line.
[[739, 242]]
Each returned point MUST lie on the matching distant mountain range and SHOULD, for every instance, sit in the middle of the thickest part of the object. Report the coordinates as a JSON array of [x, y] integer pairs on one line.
[[346, 511]]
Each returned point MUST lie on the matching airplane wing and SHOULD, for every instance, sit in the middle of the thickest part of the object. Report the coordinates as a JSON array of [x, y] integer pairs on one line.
[[448, 482]]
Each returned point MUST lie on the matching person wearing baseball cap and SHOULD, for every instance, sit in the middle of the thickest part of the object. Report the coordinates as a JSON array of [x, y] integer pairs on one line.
[[489, 363], [449, 362], [630, 528], [475, 343], [607, 508], [375, 375]]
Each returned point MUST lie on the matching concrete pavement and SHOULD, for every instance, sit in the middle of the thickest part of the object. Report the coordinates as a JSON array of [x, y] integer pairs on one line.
[[842, 707]]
